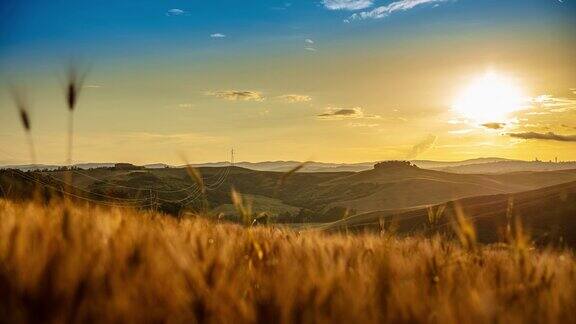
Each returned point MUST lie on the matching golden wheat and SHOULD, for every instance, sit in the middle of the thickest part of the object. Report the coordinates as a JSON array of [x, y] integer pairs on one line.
[[80, 263]]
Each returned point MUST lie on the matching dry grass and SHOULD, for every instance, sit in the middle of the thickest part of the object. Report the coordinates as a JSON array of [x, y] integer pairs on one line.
[[86, 264]]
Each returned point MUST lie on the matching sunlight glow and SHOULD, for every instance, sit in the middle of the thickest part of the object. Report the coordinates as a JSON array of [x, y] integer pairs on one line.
[[490, 98]]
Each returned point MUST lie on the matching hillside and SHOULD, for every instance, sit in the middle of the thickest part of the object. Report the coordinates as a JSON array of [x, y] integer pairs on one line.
[[405, 187], [548, 214], [309, 196]]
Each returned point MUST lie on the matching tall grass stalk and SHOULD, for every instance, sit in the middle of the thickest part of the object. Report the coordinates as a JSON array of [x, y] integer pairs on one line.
[[464, 229], [243, 208], [74, 82], [196, 176], [22, 105], [286, 175]]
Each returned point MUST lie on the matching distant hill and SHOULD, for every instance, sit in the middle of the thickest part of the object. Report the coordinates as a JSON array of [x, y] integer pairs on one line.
[[317, 197], [405, 187], [426, 164], [83, 166], [284, 166], [547, 214], [508, 166], [479, 165]]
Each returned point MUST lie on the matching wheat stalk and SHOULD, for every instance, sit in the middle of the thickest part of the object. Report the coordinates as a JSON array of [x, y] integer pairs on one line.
[[23, 107], [74, 82]]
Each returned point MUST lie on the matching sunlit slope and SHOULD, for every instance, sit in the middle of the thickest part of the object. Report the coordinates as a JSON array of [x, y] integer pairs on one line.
[[548, 214], [406, 187], [323, 196]]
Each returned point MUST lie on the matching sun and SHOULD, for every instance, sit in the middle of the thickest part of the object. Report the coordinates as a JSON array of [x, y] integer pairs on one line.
[[489, 98]]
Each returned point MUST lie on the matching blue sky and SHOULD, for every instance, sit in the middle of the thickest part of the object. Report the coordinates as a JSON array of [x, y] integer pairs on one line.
[[330, 80], [114, 28]]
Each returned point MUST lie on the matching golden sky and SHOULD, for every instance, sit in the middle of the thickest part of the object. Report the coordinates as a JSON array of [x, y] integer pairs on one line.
[[381, 90]]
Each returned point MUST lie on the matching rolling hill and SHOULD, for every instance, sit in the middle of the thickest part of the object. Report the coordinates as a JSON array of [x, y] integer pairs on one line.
[[316, 197], [548, 214]]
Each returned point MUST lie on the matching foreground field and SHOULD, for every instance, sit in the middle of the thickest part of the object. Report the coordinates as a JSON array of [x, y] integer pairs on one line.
[[89, 264]]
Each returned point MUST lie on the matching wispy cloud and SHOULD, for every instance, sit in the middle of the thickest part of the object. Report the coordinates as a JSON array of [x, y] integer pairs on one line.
[[553, 104], [550, 136], [461, 131], [176, 12], [309, 45], [174, 138], [347, 4], [387, 10], [367, 125], [422, 147], [218, 35], [344, 113], [284, 6], [237, 95], [295, 98], [494, 125]]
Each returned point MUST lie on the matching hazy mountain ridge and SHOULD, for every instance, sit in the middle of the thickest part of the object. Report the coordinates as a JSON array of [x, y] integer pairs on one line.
[[479, 165]]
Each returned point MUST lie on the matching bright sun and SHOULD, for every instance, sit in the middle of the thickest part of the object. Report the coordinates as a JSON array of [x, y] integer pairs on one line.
[[490, 98]]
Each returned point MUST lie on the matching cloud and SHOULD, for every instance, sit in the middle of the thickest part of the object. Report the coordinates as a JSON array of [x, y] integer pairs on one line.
[[368, 125], [294, 98], [175, 138], [387, 10], [284, 6], [550, 136], [494, 125], [176, 12], [218, 35], [185, 105], [553, 104], [237, 95], [344, 113], [422, 147], [347, 4], [461, 131], [311, 49], [308, 41]]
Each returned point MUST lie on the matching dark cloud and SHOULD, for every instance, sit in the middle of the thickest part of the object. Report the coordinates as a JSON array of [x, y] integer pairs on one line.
[[544, 136], [422, 147], [238, 95], [494, 125], [342, 113], [346, 113]]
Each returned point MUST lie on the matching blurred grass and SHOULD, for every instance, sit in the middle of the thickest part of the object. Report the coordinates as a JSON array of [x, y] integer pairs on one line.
[[80, 263]]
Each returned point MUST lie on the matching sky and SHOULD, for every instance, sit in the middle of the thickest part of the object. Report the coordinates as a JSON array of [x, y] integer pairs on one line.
[[323, 80]]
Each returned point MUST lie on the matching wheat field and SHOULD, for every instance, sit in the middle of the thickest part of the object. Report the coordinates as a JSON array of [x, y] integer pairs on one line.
[[80, 263]]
